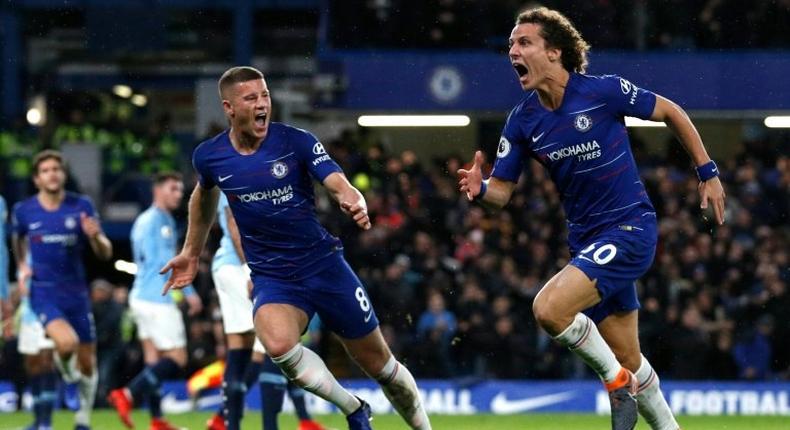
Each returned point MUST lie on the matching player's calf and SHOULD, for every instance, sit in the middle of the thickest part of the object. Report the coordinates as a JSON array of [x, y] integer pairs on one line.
[[400, 388], [307, 370], [652, 405], [233, 386]]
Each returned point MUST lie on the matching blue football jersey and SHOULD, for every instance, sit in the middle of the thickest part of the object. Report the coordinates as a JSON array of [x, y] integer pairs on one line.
[[56, 243], [584, 145], [270, 193], [153, 239], [226, 253]]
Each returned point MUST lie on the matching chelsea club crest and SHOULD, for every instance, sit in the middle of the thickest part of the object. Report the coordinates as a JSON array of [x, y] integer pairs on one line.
[[582, 122], [504, 148], [279, 170]]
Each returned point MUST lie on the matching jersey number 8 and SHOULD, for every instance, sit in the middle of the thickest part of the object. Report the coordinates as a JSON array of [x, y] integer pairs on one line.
[[362, 298]]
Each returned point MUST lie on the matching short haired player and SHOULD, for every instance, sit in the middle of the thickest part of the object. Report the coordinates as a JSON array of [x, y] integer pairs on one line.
[[265, 169]]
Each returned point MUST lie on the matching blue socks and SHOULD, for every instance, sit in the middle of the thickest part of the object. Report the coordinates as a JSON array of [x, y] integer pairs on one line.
[[43, 390], [147, 383], [296, 393], [47, 398], [155, 403], [252, 373], [273, 384], [233, 386]]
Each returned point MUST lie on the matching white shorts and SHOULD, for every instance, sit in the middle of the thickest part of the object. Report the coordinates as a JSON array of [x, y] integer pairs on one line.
[[234, 300], [161, 323], [258, 346], [32, 338], [230, 281]]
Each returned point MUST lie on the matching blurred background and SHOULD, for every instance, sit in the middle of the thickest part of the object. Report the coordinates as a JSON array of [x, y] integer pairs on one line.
[[128, 88]]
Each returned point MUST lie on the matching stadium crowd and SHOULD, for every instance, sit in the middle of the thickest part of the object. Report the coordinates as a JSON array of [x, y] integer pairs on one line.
[[606, 24], [453, 284]]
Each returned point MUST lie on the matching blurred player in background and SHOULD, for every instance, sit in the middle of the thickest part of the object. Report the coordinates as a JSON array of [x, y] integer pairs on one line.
[[160, 326], [32, 342], [37, 352], [245, 358], [298, 269], [52, 228], [573, 125]]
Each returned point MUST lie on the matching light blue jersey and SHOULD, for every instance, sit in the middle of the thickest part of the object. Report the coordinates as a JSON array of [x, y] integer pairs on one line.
[[226, 254], [153, 240], [26, 314], [3, 251]]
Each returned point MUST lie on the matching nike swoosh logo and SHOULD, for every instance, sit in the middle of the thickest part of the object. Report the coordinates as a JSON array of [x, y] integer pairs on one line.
[[368, 316], [224, 178], [501, 405], [35, 225], [172, 405], [537, 138], [715, 170]]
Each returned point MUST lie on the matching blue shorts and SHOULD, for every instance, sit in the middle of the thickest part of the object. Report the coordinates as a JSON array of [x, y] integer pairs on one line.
[[74, 310], [335, 293], [615, 259]]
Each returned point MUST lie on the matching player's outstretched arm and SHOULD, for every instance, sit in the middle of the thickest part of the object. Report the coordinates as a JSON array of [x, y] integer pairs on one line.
[[492, 192], [710, 189], [351, 200], [202, 208]]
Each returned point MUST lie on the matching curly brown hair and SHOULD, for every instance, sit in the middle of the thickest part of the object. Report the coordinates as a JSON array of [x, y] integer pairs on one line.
[[558, 32]]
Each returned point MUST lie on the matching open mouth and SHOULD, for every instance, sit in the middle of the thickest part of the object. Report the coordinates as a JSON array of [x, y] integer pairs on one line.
[[260, 119], [521, 69]]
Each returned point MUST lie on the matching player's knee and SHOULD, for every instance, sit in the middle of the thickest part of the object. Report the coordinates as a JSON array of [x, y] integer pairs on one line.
[[179, 356], [67, 345], [545, 315], [278, 347], [33, 365]]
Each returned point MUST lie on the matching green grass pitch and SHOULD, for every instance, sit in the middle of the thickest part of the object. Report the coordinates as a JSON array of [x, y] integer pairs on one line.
[[106, 420]]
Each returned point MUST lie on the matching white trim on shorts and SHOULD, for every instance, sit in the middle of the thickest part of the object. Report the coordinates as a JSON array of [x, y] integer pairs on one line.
[[161, 323], [33, 338]]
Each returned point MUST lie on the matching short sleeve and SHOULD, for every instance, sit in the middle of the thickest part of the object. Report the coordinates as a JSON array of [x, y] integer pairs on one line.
[[509, 154], [18, 223], [312, 153], [627, 99], [198, 162]]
